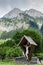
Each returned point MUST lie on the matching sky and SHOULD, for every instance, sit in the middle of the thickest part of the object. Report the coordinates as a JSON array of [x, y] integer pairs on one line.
[[7, 5]]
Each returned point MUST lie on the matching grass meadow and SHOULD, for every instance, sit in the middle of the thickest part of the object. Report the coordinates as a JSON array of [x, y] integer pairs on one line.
[[14, 63]]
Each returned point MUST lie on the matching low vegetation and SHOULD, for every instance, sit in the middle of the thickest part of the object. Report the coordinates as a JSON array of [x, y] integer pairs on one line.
[[9, 48], [10, 63], [14, 63]]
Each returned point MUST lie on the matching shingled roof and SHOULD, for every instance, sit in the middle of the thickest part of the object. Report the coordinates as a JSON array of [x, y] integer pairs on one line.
[[27, 39]]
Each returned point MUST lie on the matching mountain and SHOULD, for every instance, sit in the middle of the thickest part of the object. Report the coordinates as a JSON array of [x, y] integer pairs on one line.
[[42, 29], [18, 19], [34, 13], [13, 13]]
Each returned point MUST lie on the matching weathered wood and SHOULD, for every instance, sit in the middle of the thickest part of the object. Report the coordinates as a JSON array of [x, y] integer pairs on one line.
[[27, 45]]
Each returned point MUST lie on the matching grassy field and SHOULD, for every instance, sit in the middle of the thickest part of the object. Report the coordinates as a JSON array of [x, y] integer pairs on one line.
[[10, 63], [14, 63]]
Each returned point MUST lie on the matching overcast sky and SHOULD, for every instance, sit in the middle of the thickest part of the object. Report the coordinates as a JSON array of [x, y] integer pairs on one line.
[[7, 5]]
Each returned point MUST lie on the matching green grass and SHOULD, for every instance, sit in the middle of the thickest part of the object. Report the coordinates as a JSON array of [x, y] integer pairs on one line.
[[10, 63], [14, 63]]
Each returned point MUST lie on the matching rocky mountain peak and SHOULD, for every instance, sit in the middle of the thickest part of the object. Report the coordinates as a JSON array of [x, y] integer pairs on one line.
[[34, 13], [13, 13]]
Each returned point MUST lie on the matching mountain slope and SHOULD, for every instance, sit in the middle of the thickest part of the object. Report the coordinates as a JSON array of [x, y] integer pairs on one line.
[[34, 13], [13, 13], [17, 19]]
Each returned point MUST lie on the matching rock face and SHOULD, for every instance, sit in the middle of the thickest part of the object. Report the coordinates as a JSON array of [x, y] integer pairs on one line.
[[15, 12], [17, 18], [34, 13]]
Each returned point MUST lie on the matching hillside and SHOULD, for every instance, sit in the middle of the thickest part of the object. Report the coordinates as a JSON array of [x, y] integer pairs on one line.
[[17, 19], [13, 13], [34, 13]]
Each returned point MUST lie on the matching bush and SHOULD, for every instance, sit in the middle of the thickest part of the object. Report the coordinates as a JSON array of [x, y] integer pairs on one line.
[[14, 52], [9, 50], [39, 55], [8, 43], [36, 36], [2, 54]]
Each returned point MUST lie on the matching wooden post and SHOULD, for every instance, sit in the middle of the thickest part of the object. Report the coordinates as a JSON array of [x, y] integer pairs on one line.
[[28, 62], [29, 59]]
